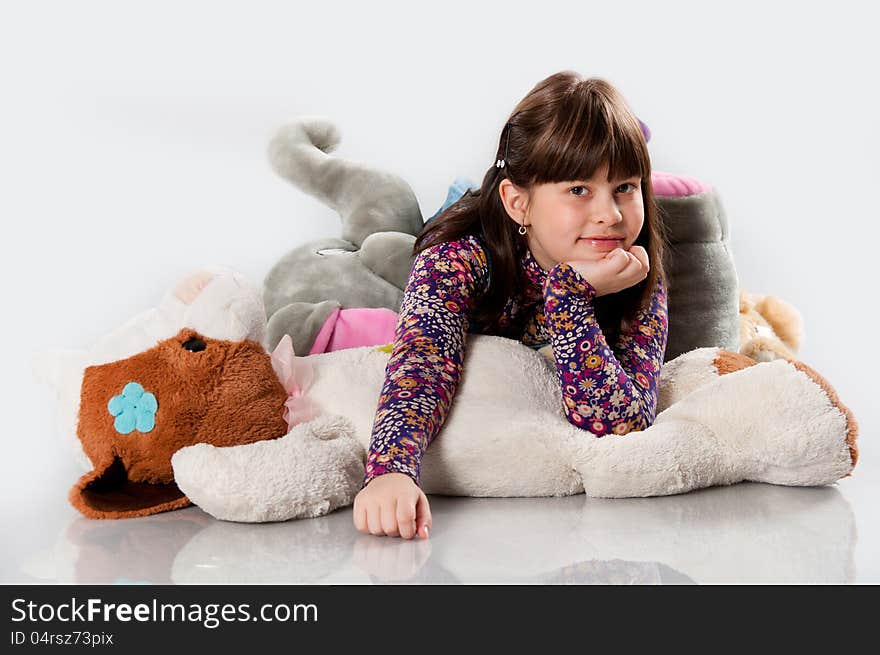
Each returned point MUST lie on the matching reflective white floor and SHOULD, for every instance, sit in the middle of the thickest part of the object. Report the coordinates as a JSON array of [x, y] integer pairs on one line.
[[747, 533]]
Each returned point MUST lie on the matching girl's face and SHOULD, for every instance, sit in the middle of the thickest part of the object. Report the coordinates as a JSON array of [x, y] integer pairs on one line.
[[562, 216]]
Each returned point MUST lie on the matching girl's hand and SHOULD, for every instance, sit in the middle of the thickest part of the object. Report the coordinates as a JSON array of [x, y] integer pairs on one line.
[[392, 504], [617, 270]]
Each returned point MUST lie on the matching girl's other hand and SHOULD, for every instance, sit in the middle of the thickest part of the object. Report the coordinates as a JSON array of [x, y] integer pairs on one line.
[[617, 270], [392, 505]]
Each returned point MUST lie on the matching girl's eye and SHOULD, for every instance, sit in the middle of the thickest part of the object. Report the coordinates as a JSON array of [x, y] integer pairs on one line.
[[634, 187]]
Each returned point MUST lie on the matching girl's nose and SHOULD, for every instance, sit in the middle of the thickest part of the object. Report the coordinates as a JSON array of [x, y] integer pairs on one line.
[[611, 215]]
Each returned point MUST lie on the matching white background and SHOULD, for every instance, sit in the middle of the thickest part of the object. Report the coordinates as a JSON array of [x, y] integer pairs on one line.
[[133, 136]]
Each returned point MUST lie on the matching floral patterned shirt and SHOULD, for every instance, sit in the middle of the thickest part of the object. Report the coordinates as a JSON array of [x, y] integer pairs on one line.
[[604, 390]]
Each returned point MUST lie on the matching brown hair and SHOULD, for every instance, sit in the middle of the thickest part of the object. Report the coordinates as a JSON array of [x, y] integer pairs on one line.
[[564, 129]]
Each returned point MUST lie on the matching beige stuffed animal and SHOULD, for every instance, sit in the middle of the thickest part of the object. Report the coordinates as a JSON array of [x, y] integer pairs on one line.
[[505, 436], [769, 328]]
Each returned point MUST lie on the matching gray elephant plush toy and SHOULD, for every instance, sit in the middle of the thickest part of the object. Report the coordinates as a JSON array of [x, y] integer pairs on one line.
[[368, 265]]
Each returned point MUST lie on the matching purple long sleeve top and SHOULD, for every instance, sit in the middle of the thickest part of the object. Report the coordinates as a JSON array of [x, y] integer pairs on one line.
[[605, 390]]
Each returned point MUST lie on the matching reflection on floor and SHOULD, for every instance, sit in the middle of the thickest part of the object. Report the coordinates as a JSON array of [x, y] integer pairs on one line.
[[747, 533]]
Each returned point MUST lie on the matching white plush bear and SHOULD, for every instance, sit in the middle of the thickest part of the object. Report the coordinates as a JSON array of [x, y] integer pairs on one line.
[[721, 419]]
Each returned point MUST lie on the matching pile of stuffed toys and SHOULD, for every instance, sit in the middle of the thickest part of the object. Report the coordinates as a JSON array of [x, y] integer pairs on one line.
[[257, 404]]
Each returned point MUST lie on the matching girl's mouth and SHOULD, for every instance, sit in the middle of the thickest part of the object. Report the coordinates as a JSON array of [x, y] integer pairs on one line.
[[604, 244]]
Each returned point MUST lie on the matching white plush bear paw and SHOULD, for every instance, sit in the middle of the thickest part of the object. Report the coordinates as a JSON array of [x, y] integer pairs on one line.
[[217, 302], [778, 422], [314, 469], [189, 288]]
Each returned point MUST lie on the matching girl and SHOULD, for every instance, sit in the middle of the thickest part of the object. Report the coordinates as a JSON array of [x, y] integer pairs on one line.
[[560, 246]]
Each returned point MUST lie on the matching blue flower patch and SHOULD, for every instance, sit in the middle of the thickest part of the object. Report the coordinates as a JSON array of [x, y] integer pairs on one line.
[[134, 409]]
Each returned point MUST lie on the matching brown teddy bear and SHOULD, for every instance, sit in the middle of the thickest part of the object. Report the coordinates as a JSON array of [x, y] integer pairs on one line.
[[769, 328], [206, 391]]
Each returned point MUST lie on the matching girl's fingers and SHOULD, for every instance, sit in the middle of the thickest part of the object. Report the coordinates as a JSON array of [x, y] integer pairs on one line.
[[638, 260], [406, 519], [633, 263], [619, 259], [423, 516], [642, 255], [374, 519], [360, 517], [634, 271], [389, 518]]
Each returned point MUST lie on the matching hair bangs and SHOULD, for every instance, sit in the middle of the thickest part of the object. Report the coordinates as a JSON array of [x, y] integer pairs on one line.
[[576, 148]]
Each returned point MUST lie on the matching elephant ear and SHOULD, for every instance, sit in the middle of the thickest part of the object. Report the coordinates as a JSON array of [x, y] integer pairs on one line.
[[107, 493], [389, 255]]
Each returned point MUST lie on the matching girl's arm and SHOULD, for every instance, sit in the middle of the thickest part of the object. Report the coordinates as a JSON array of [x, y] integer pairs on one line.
[[425, 366], [601, 392]]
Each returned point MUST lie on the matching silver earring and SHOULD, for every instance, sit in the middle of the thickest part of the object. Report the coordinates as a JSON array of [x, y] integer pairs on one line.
[[523, 229]]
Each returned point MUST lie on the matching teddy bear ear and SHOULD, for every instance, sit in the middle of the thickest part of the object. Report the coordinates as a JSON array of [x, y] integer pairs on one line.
[[107, 493]]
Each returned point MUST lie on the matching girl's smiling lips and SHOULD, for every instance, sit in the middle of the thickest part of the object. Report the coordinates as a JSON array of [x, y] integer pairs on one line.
[[601, 242]]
